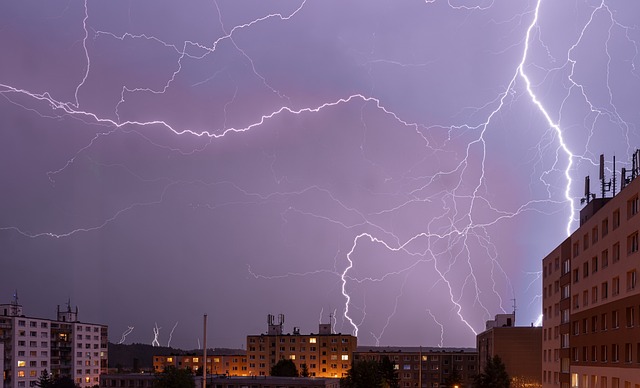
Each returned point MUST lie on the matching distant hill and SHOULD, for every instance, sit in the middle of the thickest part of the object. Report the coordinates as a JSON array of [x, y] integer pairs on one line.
[[140, 356]]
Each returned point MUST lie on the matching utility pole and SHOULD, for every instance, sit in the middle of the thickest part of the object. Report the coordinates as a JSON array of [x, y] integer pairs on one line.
[[204, 355]]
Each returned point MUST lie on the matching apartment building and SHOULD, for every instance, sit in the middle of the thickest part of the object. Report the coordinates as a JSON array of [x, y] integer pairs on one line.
[[425, 367], [592, 312], [519, 347], [324, 354], [217, 364], [62, 347]]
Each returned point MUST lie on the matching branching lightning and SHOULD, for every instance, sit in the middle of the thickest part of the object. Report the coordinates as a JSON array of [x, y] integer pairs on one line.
[[125, 334], [443, 189]]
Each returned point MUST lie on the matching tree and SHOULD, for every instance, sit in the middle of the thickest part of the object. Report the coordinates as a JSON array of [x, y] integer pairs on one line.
[[494, 375], [44, 381], [284, 367], [389, 373], [363, 374], [454, 379], [305, 370], [173, 377]]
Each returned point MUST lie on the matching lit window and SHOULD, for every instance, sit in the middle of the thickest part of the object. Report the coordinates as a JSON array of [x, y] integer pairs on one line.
[[292, 357], [345, 357], [312, 340], [20, 373], [22, 363]]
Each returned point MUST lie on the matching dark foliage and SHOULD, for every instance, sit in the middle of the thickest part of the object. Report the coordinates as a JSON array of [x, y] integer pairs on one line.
[[494, 375], [286, 368], [174, 378]]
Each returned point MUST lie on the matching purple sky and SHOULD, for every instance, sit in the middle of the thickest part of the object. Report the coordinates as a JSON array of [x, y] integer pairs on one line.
[[402, 165]]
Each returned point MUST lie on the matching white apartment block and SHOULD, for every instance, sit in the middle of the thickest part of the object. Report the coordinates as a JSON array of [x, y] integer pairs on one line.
[[30, 346]]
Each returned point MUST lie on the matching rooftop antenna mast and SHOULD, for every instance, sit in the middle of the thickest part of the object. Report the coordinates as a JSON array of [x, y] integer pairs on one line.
[[588, 196], [15, 298], [611, 184]]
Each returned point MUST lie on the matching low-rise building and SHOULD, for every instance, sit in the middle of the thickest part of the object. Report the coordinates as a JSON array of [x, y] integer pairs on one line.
[[519, 347], [425, 367]]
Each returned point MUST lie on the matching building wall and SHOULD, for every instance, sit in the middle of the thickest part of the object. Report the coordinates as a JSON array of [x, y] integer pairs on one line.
[[326, 355], [520, 349], [30, 350], [605, 295], [427, 367], [555, 283], [89, 355], [599, 304]]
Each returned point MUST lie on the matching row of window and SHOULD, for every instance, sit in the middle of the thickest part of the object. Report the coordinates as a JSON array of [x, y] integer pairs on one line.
[[33, 344], [32, 364], [606, 353], [312, 340], [602, 323], [23, 323]]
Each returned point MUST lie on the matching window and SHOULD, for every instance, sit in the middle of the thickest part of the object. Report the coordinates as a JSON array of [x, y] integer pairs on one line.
[[616, 252], [576, 249], [565, 316], [345, 357], [616, 219], [605, 227], [604, 353], [566, 267], [594, 264], [615, 285], [585, 298], [565, 291], [603, 322], [614, 319], [594, 294], [594, 323], [585, 269], [631, 316], [614, 352], [594, 235], [576, 327], [632, 206], [632, 243], [605, 258], [564, 341], [604, 290], [585, 241], [312, 340], [576, 275], [628, 352], [632, 277]]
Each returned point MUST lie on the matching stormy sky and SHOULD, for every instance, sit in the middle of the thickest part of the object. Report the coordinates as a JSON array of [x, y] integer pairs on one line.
[[402, 166]]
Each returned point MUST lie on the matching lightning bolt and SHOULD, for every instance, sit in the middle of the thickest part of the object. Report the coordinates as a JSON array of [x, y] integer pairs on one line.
[[156, 334], [125, 334], [171, 334]]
